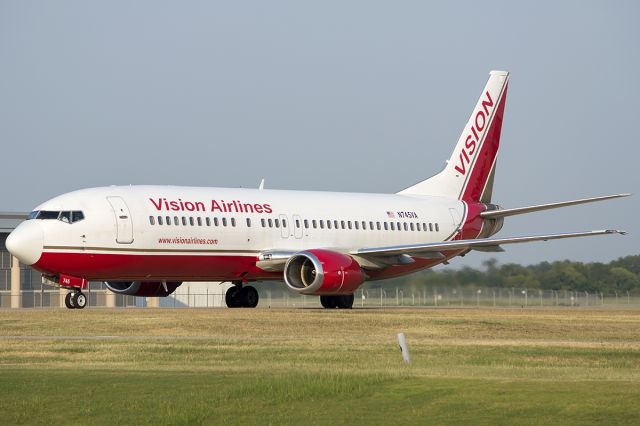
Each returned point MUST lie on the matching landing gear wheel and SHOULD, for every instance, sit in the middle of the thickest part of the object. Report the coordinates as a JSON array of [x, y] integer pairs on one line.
[[232, 297], [79, 300], [345, 301], [68, 301], [249, 297], [328, 302]]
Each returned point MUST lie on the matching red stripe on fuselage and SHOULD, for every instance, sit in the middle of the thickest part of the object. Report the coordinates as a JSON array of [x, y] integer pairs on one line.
[[108, 266]]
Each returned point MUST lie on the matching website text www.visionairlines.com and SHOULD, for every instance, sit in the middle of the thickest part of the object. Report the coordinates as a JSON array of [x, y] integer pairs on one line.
[[190, 240]]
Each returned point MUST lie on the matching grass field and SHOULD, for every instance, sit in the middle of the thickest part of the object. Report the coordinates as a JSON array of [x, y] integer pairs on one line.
[[309, 366]]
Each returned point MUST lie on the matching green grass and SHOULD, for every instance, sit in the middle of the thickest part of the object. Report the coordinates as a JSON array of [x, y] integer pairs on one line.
[[469, 366]]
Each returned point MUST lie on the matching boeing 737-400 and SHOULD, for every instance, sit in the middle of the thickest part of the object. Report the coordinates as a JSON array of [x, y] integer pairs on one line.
[[147, 240]]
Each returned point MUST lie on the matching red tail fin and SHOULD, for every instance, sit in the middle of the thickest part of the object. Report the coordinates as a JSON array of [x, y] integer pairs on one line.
[[469, 172]]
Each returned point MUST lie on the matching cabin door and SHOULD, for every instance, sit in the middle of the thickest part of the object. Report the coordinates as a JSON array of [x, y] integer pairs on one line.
[[124, 223]]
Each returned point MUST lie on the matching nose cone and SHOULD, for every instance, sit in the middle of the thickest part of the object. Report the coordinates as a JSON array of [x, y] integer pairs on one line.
[[26, 242]]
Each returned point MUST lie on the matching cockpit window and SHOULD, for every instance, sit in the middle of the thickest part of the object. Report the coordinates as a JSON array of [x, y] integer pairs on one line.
[[64, 216], [76, 216], [46, 214]]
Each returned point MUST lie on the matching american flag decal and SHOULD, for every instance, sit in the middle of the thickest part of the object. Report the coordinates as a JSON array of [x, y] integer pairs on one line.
[[392, 215]]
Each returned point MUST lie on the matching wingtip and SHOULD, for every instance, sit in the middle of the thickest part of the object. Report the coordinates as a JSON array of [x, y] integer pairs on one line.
[[616, 231]]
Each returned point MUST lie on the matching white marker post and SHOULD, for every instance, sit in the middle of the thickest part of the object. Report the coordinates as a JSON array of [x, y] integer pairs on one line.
[[404, 348]]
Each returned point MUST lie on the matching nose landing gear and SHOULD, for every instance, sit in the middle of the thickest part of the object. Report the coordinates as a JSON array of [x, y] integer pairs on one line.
[[75, 300]]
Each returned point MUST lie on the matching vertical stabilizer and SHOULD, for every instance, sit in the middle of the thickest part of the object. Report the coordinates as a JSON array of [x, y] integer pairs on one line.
[[469, 173]]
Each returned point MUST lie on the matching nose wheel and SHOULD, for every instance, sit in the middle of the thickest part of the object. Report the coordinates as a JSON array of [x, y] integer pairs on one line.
[[75, 300]]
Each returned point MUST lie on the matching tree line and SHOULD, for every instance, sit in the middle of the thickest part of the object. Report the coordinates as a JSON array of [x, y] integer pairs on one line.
[[619, 276]]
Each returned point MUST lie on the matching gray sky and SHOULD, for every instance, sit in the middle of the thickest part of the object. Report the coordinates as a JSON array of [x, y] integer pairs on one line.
[[342, 96]]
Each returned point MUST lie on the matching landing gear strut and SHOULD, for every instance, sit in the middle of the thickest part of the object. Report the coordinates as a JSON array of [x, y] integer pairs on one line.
[[344, 301], [75, 300], [241, 297]]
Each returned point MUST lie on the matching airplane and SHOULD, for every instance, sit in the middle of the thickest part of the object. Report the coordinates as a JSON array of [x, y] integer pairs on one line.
[[147, 240]]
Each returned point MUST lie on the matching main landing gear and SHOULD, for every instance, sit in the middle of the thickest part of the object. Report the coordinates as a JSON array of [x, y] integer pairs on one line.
[[344, 301], [241, 297], [75, 300]]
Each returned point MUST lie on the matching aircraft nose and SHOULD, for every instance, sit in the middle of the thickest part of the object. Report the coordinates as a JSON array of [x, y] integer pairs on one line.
[[26, 242]]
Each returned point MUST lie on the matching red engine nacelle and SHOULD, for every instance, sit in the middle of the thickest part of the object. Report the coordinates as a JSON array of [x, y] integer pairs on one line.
[[143, 288], [321, 272]]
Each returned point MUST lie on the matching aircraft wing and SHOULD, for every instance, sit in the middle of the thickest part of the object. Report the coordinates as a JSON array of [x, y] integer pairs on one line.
[[484, 244]]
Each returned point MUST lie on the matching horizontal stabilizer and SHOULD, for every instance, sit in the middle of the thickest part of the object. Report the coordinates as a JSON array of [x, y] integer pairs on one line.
[[493, 214]]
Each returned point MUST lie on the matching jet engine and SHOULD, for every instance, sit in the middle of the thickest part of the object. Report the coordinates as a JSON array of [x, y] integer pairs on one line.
[[143, 288], [323, 272]]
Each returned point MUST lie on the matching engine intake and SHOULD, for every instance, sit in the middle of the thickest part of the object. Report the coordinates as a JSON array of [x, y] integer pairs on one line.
[[143, 288], [322, 272]]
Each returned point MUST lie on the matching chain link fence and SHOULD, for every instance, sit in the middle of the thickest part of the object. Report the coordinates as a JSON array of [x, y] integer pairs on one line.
[[364, 298]]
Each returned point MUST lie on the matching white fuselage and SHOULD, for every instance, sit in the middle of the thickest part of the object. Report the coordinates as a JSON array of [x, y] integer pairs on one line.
[[147, 221]]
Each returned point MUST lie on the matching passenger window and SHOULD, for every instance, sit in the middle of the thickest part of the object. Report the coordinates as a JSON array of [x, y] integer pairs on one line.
[[263, 222], [152, 220], [191, 221], [424, 227], [335, 224], [76, 216], [405, 226], [314, 224], [168, 220], [284, 223], [430, 227], [216, 222], [355, 223], [184, 221], [233, 222], [65, 217], [371, 225], [342, 224], [306, 224], [248, 223], [393, 228], [437, 228], [159, 220], [321, 224], [349, 224], [386, 228], [208, 221], [328, 224], [277, 223], [297, 223], [199, 220], [418, 226], [224, 221], [175, 220], [270, 223]]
